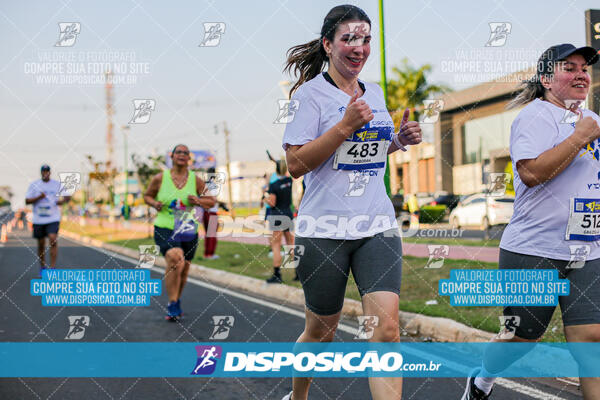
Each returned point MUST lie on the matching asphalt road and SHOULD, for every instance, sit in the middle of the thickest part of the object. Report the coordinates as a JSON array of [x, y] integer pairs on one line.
[[24, 319]]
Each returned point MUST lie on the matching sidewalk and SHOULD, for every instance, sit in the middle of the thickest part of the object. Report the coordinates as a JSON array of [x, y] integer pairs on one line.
[[478, 253]]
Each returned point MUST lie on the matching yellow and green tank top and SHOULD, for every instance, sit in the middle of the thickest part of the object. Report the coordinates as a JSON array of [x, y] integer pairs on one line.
[[173, 199]]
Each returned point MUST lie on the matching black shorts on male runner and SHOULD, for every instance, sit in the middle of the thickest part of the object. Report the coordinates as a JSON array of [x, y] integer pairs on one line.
[[40, 231]]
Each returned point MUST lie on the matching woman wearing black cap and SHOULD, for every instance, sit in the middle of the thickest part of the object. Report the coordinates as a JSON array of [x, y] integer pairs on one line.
[[554, 149]]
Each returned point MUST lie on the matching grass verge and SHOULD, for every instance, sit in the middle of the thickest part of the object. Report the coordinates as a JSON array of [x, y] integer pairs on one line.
[[419, 285]]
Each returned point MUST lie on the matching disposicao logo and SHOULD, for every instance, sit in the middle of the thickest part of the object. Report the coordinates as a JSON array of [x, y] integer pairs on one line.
[[319, 362]]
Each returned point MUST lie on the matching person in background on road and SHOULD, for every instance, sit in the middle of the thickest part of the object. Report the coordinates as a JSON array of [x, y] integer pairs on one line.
[[413, 209], [210, 240], [22, 221], [339, 140], [552, 146], [177, 195], [272, 178], [44, 194], [279, 198]]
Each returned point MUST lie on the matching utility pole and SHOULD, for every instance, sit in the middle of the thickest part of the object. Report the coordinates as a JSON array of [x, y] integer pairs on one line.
[[227, 166], [109, 130], [124, 129], [386, 176]]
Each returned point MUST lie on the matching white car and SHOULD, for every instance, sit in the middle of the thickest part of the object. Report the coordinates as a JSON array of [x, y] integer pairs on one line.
[[471, 211]]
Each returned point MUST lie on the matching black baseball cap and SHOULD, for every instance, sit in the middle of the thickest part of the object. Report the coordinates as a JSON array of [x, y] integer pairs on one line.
[[560, 52], [45, 167]]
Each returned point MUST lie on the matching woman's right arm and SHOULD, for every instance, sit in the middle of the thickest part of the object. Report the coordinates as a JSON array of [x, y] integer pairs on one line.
[[304, 158], [552, 162], [152, 191]]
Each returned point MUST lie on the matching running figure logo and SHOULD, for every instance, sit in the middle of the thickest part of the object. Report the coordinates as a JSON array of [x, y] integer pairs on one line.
[[358, 183], [508, 325], [214, 183], [287, 111], [212, 34], [579, 254], [69, 183], [148, 254], [366, 326], [499, 32], [142, 110], [291, 259], [221, 324], [437, 255], [186, 222], [77, 325], [207, 359], [358, 31], [574, 112], [431, 111], [68, 33], [497, 183]]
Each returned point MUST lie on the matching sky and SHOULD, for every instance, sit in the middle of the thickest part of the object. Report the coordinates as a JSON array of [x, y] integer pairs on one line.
[[194, 87]]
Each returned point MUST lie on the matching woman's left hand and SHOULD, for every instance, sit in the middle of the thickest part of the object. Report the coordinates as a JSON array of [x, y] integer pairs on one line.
[[410, 131], [194, 200]]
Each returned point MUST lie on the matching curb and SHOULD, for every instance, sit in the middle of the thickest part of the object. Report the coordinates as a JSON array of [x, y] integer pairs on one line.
[[437, 328]]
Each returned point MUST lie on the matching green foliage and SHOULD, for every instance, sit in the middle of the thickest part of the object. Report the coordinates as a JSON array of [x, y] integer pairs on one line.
[[147, 167], [432, 214], [409, 88]]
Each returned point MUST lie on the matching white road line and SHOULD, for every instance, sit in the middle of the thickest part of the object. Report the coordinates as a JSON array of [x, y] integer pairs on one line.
[[508, 384]]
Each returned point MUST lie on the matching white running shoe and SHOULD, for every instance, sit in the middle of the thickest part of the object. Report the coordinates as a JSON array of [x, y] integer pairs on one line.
[[287, 396]]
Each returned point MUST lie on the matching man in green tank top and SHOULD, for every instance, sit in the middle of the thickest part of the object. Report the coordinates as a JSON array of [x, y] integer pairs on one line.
[[177, 195]]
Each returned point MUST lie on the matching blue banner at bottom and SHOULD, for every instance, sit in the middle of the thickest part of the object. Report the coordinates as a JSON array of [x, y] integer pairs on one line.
[[361, 359]]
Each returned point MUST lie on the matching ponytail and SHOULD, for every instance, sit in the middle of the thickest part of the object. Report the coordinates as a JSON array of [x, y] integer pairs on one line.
[[306, 61], [528, 91]]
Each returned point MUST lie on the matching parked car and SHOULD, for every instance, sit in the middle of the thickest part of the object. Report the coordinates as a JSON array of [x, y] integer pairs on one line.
[[447, 199], [424, 199], [471, 211]]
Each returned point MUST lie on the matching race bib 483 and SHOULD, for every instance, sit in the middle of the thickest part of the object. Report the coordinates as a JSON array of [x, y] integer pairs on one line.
[[366, 149]]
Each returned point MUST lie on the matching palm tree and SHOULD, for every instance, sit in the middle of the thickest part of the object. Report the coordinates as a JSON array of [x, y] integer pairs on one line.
[[409, 88]]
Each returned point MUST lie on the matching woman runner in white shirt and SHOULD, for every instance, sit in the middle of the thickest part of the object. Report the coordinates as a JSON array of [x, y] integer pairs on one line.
[[554, 149], [339, 139]]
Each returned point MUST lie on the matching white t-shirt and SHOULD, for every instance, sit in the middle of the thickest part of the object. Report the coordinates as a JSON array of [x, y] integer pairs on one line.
[[350, 201], [45, 210], [539, 222]]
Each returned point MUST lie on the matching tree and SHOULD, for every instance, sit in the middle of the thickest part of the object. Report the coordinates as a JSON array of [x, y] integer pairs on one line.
[[146, 168], [409, 88]]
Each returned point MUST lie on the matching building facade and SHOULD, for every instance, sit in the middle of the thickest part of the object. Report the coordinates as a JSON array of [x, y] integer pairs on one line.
[[471, 136]]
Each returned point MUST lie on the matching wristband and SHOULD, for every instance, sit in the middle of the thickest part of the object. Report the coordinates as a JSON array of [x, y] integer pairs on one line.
[[397, 143]]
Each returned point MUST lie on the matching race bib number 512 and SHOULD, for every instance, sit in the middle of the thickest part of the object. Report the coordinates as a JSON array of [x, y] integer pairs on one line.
[[584, 220]]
